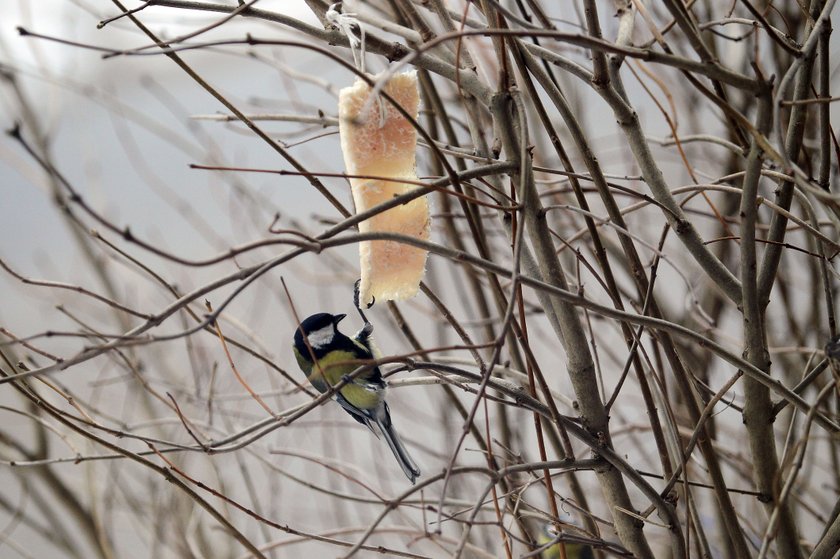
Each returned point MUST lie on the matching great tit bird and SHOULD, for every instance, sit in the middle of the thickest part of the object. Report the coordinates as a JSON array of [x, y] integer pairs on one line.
[[574, 550], [325, 355]]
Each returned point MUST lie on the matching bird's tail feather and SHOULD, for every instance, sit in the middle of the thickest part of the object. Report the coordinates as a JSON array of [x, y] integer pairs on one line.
[[408, 466]]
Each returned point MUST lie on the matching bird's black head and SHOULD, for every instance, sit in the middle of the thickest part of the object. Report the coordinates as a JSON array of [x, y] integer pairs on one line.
[[320, 331]]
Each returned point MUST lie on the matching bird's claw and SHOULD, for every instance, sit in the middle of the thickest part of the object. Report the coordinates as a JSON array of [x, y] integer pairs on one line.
[[368, 328], [356, 296], [346, 379], [356, 292]]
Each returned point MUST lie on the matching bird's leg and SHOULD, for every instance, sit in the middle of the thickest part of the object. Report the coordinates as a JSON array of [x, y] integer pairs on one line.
[[367, 329]]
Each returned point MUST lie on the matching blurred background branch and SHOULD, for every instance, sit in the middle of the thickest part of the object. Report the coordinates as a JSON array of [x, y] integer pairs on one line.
[[170, 163]]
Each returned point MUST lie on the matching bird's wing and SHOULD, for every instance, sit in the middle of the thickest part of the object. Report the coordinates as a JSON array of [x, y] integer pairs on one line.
[[313, 374], [359, 415], [369, 350]]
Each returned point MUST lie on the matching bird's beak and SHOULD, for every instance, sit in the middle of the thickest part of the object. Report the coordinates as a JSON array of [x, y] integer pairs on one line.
[[339, 318]]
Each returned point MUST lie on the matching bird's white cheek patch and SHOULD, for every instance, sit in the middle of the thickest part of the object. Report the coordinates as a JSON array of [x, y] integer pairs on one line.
[[322, 337]]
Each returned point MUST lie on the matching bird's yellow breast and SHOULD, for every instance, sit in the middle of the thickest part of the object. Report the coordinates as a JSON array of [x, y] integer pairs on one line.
[[329, 370]]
